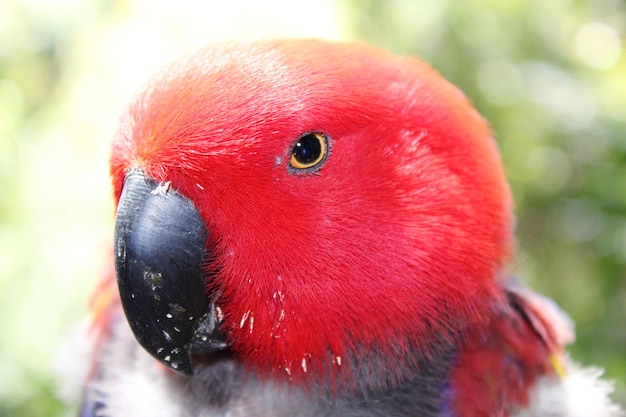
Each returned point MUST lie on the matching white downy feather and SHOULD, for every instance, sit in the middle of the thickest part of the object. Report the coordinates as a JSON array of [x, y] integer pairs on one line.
[[581, 393]]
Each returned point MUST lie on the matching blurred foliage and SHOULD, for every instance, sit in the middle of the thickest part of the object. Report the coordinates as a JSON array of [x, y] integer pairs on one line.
[[550, 76]]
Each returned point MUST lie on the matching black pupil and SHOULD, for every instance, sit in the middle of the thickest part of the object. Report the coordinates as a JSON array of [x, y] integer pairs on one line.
[[308, 149]]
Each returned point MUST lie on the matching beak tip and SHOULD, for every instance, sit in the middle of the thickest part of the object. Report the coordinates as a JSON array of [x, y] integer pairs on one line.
[[180, 364]]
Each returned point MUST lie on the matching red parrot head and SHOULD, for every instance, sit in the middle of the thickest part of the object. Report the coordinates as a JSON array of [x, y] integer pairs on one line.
[[313, 207]]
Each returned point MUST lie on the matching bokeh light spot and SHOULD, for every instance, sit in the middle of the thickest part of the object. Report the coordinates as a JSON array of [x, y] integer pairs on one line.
[[598, 45]]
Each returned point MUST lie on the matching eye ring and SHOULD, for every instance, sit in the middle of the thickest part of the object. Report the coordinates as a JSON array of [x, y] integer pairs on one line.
[[309, 152]]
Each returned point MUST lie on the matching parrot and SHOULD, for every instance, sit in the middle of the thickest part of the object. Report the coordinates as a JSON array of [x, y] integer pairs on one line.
[[318, 228]]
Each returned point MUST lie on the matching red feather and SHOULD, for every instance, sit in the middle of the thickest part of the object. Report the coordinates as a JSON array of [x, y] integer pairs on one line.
[[500, 362], [391, 247]]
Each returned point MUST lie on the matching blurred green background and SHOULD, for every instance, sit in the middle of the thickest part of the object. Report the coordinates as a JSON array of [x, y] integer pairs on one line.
[[549, 75]]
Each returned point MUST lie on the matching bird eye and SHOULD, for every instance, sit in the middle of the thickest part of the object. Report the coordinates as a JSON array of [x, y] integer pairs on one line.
[[309, 151]]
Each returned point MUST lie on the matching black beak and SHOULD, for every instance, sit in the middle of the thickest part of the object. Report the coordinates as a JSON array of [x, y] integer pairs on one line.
[[160, 243]]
